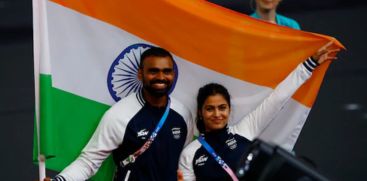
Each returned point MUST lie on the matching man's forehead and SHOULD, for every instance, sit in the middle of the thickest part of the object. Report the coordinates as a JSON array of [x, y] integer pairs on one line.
[[156, 61]]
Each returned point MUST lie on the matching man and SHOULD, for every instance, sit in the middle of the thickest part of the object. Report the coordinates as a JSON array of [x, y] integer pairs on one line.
[[129, 124], [266, 10]]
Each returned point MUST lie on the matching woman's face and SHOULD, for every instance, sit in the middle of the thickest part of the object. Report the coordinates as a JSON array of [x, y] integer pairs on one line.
[[267, 4], [215, 112]]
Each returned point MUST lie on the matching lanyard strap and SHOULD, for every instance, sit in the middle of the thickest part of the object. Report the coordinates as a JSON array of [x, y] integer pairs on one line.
[[131, 158], [217, 158]]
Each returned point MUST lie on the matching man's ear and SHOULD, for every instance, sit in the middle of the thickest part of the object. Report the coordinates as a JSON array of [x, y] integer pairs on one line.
[[140, 74]]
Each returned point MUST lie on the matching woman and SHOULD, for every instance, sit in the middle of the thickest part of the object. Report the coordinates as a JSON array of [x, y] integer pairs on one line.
[[266, 10], [199, 160]]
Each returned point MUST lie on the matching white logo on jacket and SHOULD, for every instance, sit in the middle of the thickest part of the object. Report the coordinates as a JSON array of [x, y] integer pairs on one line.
[[232, 143], [201, 160], [143, 133], [176, 133]]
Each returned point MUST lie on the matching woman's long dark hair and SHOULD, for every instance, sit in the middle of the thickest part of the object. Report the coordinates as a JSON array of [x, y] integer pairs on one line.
[[204, 92]]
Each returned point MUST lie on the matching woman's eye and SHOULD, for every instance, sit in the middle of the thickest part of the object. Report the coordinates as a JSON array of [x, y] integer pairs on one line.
[[222, 108]]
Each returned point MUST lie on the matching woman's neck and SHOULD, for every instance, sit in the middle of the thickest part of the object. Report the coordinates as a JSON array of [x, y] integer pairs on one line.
[[267, 15]]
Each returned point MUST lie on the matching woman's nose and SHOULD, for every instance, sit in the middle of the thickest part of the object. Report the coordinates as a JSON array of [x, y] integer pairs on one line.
[[216, 112]]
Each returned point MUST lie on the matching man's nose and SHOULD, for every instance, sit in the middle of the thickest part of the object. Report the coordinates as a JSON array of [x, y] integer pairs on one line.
[[160, 75]]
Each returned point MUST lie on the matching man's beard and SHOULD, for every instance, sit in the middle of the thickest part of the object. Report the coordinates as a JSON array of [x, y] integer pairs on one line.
[[157, 92]]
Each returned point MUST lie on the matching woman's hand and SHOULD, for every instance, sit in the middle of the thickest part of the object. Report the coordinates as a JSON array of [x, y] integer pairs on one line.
[[325, 53]]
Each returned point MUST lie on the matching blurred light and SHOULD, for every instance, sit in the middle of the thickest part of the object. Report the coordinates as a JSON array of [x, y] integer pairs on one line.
[[352, 107]]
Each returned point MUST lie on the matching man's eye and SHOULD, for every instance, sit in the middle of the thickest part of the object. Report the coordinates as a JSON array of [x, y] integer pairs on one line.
[[153, 71], [168, 71]]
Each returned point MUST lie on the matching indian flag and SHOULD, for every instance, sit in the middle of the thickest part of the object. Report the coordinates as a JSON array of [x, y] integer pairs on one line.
[[86, 54]]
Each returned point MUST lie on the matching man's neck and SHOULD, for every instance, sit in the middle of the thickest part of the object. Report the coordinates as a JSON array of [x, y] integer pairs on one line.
[[155, 101], [267, 15]]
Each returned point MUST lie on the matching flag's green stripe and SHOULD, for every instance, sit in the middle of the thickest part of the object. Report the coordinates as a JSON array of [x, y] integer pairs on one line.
[[67, 123]]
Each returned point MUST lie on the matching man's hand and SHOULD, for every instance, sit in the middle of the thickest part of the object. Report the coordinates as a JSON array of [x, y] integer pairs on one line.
[[179, 176], [325, 53], [47, 179]]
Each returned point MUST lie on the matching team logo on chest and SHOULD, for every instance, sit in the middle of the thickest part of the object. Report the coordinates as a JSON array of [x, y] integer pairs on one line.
[[176, 132], [231, 143], [143, 134], [201, 160]]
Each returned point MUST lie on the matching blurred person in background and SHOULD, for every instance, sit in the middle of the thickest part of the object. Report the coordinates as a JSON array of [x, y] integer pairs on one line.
[[266, 11]]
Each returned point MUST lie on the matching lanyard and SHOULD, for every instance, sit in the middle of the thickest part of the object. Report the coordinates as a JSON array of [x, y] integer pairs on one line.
[[217, 158], [131, 158]]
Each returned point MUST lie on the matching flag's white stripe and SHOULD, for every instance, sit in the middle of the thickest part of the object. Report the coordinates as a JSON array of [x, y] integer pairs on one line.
[[76, 52], [81, 60], [286, 127], [191, 77]]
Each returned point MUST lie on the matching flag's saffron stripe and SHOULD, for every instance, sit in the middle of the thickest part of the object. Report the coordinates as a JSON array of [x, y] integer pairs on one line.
[[215, 38]]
